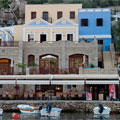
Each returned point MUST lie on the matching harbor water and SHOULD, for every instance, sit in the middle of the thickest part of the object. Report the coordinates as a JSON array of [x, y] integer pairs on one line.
[[64, 116]]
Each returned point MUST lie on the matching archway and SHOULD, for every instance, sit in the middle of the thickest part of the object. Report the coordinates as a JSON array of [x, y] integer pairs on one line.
[[48, 64], [31, 60], [5, 67], [76, 61]]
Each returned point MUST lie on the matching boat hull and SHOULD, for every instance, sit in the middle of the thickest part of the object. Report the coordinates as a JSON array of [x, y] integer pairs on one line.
[[106, 111], [1, 111], [55, 112], [27, 109]]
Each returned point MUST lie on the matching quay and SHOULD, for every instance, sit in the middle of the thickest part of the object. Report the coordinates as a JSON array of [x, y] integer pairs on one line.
[[67, 106]]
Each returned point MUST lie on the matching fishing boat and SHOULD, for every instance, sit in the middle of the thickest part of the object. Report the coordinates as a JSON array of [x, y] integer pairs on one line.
[[101, 110], [1, 111], [50, 112], [28, 109]]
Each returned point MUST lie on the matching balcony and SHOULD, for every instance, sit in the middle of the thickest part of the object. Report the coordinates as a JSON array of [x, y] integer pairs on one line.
[[9, 44], [48, 19]]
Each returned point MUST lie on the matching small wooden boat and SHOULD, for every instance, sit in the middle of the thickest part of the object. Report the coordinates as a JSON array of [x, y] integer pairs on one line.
[[28, 109]]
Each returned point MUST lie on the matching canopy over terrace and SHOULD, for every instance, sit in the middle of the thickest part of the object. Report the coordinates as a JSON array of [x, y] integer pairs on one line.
[[60, 79]]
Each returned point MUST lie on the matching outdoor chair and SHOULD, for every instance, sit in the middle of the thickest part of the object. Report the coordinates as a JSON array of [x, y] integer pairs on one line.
[[58, 95], [4, 96], [25, 96], [80, 96], [31, 95], [46, 95], [72, 96], [64, 95], [39, 95]]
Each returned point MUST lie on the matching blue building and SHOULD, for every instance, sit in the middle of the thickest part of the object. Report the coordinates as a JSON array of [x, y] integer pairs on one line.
[[95, 23]]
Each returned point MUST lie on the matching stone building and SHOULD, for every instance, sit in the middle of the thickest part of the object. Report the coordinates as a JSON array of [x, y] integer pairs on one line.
[[48, 50]]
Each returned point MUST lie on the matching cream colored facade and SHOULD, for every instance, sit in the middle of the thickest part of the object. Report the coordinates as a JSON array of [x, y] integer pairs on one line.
[[18, 32], [39, 26], [52, 10]]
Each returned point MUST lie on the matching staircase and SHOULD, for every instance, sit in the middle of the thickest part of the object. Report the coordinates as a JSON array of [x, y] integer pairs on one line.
[[107, 60]]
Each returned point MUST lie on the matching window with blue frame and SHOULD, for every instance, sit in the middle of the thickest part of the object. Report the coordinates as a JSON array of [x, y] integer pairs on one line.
[[68, 86], [84, 22], [99, 22]]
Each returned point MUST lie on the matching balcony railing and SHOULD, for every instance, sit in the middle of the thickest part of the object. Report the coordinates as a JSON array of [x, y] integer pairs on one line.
[[49, 19], [9, 44]]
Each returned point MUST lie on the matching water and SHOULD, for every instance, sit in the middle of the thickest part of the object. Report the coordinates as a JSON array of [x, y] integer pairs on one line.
[[64, 116]]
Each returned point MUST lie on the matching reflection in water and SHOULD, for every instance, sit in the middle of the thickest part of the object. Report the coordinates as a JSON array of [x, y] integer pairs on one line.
[[64, 116], [101, 117]]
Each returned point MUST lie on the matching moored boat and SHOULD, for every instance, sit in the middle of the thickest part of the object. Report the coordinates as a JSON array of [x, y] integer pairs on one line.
[[1, 111], [55, 112], [50, 112], [101, 110], [28, 109]]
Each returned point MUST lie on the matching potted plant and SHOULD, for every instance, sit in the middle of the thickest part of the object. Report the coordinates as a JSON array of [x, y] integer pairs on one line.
[[92, 65], [32, 66], [21, 67]]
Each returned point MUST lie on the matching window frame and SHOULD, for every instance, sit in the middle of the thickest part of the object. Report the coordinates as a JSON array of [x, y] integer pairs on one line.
[[83, 24], [61, 36], [32, 16], [58, 17], [97, 22], [33, 37], [72, 14]]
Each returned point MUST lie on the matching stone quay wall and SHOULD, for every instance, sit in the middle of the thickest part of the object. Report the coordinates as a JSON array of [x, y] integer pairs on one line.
[[68, 106]]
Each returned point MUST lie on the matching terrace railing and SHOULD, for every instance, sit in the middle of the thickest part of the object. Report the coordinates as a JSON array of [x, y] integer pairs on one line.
[[9, 44]]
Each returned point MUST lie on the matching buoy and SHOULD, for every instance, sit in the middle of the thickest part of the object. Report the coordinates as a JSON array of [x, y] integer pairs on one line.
[[15, 116]]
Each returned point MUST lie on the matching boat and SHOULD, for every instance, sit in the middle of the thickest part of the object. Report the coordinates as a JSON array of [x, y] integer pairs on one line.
[[28, 109], [49, 111], [1, 111], [53, 112], [101, 110]]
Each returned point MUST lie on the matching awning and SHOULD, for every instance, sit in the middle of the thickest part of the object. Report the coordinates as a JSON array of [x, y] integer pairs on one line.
[[68, 82], [10, 82], [61, 76], [33, 82], [106, 82], [53, 82]]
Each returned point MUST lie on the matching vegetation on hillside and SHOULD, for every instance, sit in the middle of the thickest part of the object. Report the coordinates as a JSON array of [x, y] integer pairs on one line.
[[116, 34], [86, 3], [5, 3]]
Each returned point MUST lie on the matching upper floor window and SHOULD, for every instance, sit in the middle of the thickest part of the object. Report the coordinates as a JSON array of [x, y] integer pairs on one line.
[[84, 22], [59, 14], [33, 15], [72, 14], [99, 22], [70, 37], [30, 37], [58, 37], [45, 16]]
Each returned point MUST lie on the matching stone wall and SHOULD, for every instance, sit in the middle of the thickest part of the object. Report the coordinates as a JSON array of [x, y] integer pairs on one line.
[[63, 49], [13, 53], [65, 105]]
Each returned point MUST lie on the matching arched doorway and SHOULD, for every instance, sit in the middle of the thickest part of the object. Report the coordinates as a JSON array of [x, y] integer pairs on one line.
[[76, 61], [5, 67], [31, 60], [49, 64]]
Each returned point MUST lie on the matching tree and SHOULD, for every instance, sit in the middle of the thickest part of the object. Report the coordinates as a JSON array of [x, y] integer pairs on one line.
[[116, 33], [5, 3]]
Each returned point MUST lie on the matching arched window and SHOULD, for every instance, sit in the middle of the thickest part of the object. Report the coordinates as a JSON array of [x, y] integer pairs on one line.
[[31, 60]]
